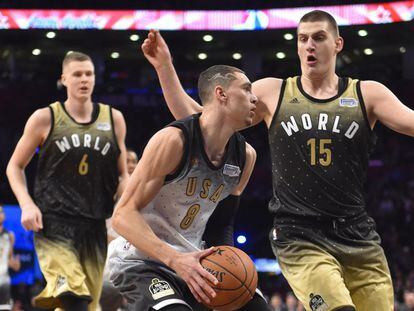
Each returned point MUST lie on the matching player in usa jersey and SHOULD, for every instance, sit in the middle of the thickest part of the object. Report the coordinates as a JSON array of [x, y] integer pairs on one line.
[[188, 169]]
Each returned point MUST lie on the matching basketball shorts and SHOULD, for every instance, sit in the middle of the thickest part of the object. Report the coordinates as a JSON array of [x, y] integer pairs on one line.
[[147, 285], [72, 263], [334, 268]]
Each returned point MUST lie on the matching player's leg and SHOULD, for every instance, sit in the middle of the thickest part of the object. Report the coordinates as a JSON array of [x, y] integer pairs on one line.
[[62, 270], [111, 298], [93, 263], [368, 279], [315, 276], [149, 286]]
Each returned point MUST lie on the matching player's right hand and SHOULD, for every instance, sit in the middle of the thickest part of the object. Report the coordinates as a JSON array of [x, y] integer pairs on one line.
[[188, 267], [31, 217], [156, 50]]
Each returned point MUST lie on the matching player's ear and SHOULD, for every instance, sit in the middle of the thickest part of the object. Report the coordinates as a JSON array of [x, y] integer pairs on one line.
[[339, 43], [63, 79], [220, 93]]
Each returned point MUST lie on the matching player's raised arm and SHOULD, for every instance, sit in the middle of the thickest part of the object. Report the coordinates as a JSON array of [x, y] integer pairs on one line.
[[268, 92], [161, 157], [179, 102]]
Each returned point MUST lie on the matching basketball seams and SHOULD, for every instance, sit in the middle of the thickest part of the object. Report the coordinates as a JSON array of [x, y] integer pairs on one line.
[[247, 293], [232, 274], [245, 269]]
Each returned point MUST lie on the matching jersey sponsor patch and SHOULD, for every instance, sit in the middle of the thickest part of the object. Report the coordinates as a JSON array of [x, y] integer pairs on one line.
[[103, 126], [231, 170], [160, 289], [348, 102], [317, 303]]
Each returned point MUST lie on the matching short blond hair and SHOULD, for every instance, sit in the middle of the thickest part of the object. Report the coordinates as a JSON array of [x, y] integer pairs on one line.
[[75, 57]]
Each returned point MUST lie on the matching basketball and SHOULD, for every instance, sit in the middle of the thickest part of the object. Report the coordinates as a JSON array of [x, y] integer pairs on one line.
[[236, 274]]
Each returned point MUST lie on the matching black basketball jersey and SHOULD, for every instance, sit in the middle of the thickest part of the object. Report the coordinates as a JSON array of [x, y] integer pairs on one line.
[[77, 171], [319, 151]]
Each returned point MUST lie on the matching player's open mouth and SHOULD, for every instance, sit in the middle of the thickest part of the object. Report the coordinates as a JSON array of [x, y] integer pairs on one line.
[[311, 59]]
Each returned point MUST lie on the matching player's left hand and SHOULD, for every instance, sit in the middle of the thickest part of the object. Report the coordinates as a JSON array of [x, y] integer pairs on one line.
[[156, 50], [188, 267]]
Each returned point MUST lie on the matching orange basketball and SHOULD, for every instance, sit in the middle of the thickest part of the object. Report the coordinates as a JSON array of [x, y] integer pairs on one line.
[[236, 274]]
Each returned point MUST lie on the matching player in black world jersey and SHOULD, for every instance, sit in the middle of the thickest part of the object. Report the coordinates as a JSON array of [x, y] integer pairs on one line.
[[81, 157]]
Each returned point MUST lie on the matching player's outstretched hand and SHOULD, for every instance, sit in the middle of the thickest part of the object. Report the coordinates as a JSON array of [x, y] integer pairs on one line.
[[156, 50], [188, 267]]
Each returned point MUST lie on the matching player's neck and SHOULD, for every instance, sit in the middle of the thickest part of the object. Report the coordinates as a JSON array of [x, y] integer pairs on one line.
[[320, 86], [216, 135], [80, 110]]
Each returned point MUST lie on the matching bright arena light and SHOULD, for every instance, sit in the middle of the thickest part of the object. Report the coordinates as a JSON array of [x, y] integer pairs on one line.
[[362, 33], [202, 56], [241, 239], [368, 52], [237, 56], [280, 55], [134, 38], [36, 52], [208, 38], [115, 55], [51, 34]]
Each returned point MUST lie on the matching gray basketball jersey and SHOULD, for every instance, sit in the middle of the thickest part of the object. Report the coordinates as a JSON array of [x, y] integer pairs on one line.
[[179, 213]]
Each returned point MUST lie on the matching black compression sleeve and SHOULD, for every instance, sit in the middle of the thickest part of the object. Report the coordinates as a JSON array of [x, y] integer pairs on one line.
[[220, 226]]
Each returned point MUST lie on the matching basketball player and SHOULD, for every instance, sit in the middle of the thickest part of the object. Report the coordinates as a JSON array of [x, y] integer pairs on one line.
[[188, 169], [7, 260], [82, 157], [320, 134]]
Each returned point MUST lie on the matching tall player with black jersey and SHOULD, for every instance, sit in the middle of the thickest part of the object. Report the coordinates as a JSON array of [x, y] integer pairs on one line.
[[320, 133], [188, 169], [81, 157]]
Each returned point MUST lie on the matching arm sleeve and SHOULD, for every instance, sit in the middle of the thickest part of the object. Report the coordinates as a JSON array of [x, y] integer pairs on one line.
[[220, 226]]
